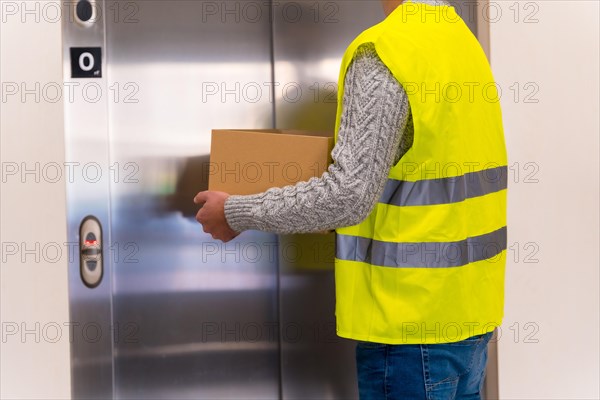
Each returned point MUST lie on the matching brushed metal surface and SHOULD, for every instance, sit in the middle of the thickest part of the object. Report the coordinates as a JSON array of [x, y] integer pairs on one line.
[[199, 313], [87, 163], [310, 38], [183, 316]]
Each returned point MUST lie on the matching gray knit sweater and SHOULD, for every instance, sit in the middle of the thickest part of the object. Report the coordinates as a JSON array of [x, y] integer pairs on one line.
[[374, 117], [376, 130]]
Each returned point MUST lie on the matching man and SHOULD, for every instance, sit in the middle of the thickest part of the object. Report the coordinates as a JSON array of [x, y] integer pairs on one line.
[[417, 195]]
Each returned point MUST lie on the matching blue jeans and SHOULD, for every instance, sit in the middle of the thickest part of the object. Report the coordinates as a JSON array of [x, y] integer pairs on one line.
[[441, 371]]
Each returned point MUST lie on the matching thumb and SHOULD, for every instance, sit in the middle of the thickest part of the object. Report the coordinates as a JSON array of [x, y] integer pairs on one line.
[[201, 197]]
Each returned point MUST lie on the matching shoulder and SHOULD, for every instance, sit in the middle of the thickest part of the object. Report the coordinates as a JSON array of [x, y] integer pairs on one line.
[[368, 36], [367, 62]]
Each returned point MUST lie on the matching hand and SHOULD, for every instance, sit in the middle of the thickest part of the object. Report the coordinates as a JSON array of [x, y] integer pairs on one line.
[[212, 215]]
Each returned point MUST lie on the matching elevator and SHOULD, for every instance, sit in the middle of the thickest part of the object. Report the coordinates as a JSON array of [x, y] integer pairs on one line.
[[163, 311]]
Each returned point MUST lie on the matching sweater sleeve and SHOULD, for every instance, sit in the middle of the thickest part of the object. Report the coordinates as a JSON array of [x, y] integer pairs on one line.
[[375, 112]]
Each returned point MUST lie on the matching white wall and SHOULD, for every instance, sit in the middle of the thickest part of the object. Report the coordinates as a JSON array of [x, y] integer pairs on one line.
[[559, 214], [36, 365]]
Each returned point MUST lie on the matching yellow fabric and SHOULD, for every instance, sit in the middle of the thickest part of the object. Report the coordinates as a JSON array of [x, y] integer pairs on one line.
[[457, 130]]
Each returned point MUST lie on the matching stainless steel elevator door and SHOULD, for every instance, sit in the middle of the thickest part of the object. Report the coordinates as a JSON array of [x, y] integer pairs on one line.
[[310, 38], [186, 317], [198, 318]]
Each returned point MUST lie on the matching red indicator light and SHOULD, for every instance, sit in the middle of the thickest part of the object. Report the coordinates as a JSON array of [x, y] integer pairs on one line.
[[91, 242]]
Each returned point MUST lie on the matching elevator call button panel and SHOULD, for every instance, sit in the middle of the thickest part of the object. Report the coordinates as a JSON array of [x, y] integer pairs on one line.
[[90, 252]]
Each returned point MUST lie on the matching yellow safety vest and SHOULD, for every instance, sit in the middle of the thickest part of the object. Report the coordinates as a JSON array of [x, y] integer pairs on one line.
[[427, 265]]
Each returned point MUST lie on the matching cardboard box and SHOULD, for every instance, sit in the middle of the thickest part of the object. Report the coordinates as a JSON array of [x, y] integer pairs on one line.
[[245, 161]]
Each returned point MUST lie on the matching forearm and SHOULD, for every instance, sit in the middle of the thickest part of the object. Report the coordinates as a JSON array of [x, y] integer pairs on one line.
[[375, 111]]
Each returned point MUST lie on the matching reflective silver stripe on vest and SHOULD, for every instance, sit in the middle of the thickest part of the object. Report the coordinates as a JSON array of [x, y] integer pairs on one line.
[[421, 255], [444, 190]]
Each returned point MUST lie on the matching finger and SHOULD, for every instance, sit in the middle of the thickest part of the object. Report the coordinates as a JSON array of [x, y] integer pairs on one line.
[[201, 197]]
